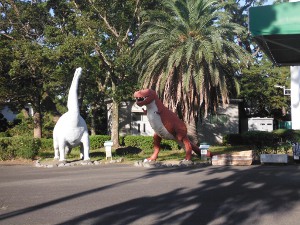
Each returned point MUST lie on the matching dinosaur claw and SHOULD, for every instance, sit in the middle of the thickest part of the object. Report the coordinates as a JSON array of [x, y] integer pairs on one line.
[[148, 160]]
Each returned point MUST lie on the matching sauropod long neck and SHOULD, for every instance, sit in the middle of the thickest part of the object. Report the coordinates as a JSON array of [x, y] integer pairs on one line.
[[73, 96]]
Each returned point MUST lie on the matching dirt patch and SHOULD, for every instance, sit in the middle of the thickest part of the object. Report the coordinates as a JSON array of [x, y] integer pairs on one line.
[[14, 162]]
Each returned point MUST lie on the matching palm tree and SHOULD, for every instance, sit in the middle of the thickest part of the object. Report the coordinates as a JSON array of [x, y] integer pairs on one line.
[[188, 54]]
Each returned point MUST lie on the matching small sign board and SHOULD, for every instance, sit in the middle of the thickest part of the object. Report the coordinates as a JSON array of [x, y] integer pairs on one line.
[[203, 151]]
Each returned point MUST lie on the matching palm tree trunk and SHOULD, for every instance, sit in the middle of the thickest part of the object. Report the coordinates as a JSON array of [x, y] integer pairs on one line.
[[192, 130]]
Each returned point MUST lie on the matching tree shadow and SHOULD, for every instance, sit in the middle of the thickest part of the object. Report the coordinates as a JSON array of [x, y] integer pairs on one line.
[[229, 195], [128, 150], [240, 198]]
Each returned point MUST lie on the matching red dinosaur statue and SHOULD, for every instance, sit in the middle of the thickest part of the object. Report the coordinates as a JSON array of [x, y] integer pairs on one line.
[[165, 123]]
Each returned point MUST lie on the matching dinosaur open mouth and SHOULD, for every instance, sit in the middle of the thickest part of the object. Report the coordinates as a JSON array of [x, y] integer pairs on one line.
[[140, 99]]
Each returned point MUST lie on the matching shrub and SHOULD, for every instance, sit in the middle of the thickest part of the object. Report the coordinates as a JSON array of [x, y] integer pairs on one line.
[[261, 140], [288, 135], [146, 143], [22, 126], [6, 152], [4, 134], [19, 147], [97, 141], [233, 139], [170, 145], [27, 148], [143, 142], [3, 123], [46, 144]]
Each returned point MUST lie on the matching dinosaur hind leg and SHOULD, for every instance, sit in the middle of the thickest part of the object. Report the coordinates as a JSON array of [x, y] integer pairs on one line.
[[56, 149], [188, 148], [156, 140], [62, 153], [85, 147], [81, 151]]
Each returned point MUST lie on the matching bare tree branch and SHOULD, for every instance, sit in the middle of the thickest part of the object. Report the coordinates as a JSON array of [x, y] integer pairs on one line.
[[8, 36], [134, 15]]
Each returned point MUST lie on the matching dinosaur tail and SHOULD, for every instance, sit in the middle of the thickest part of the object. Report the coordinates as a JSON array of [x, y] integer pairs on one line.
[[196, 149], [72, 97]]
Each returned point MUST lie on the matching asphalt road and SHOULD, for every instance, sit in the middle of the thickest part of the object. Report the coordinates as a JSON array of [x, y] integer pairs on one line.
[[124, 194]]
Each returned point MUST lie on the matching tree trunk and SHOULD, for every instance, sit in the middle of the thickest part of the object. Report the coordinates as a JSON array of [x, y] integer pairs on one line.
[[37, 120], [25, 113], [192, 131], [115, 124], [115, 120], [93, 123]]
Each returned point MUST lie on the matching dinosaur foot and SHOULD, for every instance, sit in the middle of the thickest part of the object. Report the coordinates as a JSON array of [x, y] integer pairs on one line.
[[63, 162], [149, 160], [86, 161], [186, 162]]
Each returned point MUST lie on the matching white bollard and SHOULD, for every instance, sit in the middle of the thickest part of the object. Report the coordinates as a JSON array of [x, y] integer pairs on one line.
[[108, 145]]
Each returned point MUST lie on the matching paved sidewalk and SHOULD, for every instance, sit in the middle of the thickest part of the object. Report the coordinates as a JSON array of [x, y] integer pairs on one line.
[[124, 194]]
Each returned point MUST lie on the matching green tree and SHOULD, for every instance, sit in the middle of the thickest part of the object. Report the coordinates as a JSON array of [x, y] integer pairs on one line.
[[258, 88], [110, 26], [26, 72], [71, 48], [187, 52]]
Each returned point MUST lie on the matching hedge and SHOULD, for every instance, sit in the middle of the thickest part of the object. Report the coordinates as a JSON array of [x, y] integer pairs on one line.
[[29, 148], [97, 141], [19, 147], [261, 140], [146, 143]]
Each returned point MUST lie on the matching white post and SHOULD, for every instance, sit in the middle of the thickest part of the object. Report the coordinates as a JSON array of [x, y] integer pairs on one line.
[[295, 93]]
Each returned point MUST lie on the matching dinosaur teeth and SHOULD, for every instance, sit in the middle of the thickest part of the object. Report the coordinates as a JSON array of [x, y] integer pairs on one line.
[[140, 99]]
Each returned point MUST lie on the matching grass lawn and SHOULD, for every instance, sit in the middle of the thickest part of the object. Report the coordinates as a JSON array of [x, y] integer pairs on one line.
[[131, 154]]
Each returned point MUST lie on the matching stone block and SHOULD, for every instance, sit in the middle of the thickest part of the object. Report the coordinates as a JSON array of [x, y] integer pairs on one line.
[[273, 158], [242, 158]]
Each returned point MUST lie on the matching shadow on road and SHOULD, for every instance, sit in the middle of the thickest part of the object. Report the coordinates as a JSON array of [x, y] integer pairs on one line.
[[239, 197]]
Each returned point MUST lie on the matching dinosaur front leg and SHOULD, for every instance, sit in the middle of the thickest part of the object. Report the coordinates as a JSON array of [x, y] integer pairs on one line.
[[156, 141]]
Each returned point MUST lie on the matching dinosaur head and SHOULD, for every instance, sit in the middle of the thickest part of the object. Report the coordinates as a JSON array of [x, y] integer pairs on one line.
[[144, 97]]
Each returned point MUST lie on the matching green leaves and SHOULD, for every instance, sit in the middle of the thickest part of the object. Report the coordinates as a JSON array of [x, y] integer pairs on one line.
[[193, 39], [258, 89]]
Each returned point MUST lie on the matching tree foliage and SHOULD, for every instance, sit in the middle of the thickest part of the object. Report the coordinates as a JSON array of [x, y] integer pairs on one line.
[[187, 52], [191, 51], [258, 88]]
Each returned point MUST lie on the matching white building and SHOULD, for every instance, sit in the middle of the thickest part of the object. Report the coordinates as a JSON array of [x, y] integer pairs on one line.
[[10, 115]]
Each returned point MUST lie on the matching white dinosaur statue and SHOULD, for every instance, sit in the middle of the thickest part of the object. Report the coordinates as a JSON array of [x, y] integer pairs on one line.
[[71, 130]]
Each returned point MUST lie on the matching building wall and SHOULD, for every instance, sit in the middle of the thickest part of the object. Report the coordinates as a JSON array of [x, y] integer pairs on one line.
[[132, 120], [214, 127]]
